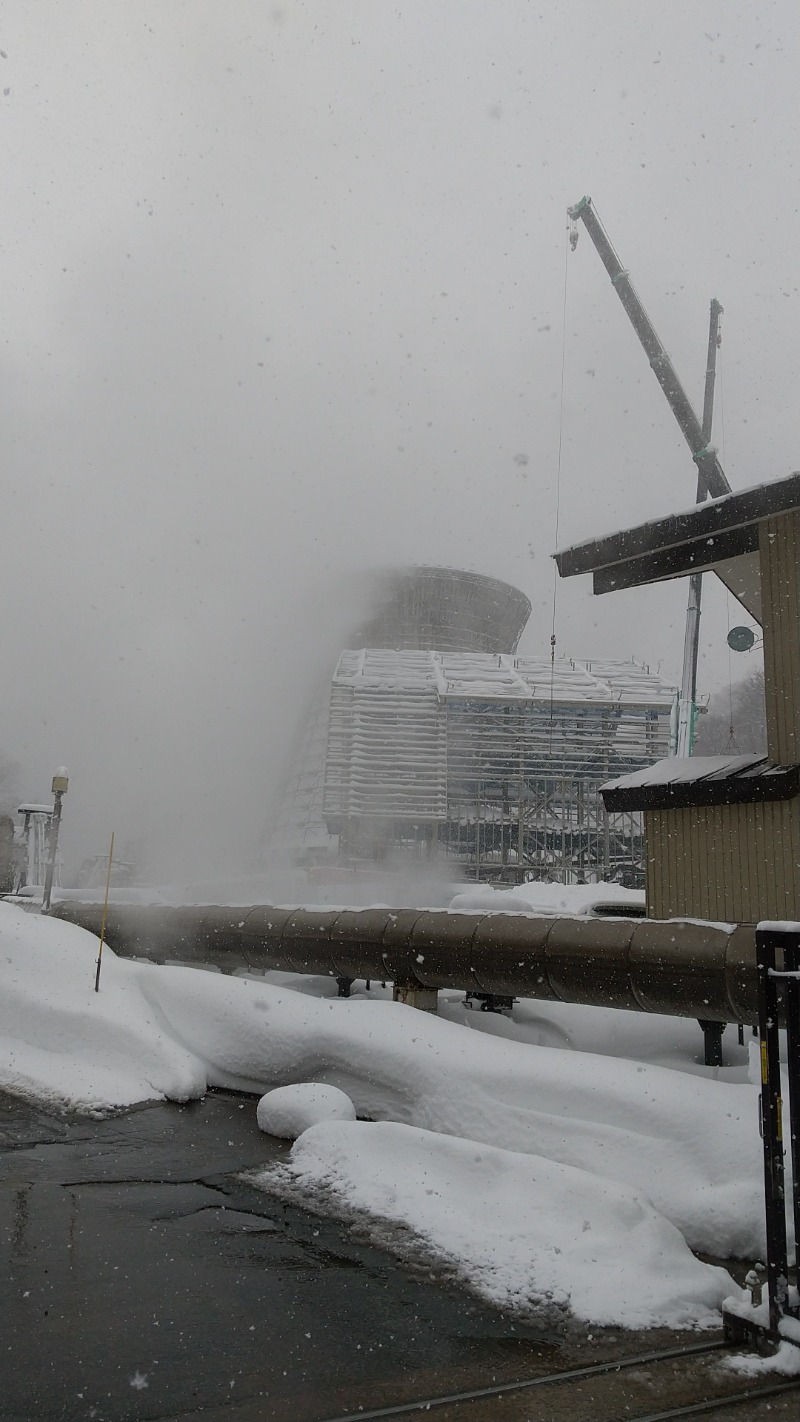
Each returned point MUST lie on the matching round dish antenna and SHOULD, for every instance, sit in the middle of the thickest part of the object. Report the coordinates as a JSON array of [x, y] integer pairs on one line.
[[741, 639]]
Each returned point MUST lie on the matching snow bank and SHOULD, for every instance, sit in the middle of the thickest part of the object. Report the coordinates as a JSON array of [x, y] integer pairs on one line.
[[65, 1044], [524, 1232], [688, 1143], [575, 1126], [289, 1110], [674, 1042]]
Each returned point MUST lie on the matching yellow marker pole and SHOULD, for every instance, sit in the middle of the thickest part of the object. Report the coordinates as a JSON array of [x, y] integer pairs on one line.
[[105, 915]]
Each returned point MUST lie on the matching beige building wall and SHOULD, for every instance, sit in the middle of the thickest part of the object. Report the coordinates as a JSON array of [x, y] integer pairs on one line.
[[729, 863], [779, 555]]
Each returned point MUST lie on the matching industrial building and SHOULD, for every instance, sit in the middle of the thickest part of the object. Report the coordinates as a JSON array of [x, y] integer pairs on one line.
[[723, 833], [434, 739], [492, 761]]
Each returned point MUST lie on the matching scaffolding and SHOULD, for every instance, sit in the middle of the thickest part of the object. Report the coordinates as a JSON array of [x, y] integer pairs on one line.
[[410, 608], [491, 760]]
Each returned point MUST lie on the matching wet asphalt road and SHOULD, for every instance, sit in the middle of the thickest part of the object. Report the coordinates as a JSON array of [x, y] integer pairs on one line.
[[142, 1279]]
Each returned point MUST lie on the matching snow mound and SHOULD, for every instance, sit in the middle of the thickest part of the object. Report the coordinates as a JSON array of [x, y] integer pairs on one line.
[[524, 1232], [513, 1165], [63, 1043], [289, 1110], [688, 1143]]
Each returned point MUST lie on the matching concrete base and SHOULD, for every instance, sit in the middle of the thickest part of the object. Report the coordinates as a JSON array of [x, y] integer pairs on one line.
[[413, 995]]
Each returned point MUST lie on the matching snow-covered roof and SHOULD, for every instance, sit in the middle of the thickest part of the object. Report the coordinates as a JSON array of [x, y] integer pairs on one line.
[[735, 510], [686, 781], [721, 535], [759, 501], [682, 770], [480, 676], [414, 734]]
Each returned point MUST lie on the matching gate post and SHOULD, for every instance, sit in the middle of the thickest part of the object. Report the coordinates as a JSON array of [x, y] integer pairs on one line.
[[768, 940], [778, 965], [791, 988]]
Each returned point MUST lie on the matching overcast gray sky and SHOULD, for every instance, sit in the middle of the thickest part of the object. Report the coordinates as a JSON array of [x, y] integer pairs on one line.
[[283, 294]]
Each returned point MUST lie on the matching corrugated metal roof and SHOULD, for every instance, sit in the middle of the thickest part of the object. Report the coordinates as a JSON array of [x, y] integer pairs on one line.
[[687, 782]]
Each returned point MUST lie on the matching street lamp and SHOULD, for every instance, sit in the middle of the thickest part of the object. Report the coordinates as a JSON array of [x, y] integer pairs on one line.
[[59, 787]]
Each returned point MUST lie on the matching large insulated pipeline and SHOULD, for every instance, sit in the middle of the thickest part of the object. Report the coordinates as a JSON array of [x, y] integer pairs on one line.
[[684, 969]]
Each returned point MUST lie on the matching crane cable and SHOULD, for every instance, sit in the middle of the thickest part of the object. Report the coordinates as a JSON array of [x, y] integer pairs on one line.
[[569, 245], [732, 742]]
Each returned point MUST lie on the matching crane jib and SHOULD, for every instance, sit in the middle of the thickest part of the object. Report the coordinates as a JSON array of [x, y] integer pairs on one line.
[[709, 468]]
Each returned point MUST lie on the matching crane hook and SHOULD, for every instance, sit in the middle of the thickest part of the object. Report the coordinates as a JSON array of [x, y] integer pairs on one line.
[[573, 235]]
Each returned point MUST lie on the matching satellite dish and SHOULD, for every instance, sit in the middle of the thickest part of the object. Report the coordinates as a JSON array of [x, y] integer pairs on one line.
[[741, 639]]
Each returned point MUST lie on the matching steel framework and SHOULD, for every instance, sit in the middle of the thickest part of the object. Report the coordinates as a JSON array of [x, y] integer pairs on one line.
[[494, 761]]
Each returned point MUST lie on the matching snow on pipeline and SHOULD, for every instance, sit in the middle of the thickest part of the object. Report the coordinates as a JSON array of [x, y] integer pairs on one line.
[[538, 1174]]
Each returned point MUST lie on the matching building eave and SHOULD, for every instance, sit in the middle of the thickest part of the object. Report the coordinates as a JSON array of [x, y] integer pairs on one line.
[[691, 541]]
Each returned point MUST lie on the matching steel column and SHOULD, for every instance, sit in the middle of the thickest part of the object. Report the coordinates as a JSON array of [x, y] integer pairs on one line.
[[771, 1120], [791, 988]]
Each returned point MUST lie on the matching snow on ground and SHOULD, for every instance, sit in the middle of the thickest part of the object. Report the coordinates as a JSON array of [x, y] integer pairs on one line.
[[785, 1362], [787, 1358], [674, 1042], [640, 1140], [690, 1144], [65, 1044], [525, 1232]]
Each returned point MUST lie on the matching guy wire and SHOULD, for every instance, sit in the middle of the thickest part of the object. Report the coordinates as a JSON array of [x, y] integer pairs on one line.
[[732, 742], [558, 480]]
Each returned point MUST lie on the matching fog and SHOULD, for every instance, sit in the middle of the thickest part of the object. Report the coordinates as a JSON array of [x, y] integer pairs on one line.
[[285, 291]]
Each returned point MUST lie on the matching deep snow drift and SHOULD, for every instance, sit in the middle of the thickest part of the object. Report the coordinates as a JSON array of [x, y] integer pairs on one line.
[[523, 1231], [600, 1158]]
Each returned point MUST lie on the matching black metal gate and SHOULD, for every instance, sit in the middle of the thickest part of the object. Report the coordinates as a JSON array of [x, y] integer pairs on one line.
[[778, 962]]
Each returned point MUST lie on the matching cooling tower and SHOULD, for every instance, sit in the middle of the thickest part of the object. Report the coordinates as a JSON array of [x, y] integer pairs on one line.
[[444, 610]]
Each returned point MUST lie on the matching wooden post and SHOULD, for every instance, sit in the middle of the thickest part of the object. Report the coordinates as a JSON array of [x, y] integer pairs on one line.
[[105, 916]]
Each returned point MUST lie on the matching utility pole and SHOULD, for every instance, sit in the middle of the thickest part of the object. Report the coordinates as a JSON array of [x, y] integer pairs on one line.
[[686, 706]]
